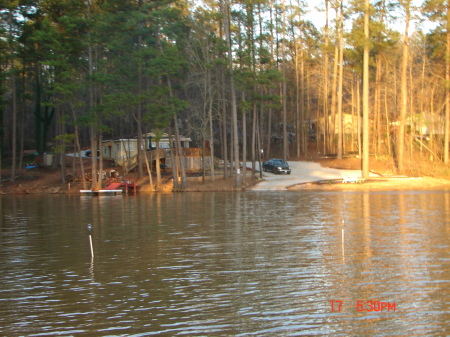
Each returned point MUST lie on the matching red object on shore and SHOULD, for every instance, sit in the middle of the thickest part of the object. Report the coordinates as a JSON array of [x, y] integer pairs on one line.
[[130, 183], [113, 186], [117, 184]]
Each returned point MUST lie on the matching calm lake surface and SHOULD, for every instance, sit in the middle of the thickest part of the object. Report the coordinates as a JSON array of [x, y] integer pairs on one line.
[[226, 264]]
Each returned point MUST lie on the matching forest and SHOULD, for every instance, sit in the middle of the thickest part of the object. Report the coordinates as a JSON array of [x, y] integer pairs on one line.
[[250, 79]]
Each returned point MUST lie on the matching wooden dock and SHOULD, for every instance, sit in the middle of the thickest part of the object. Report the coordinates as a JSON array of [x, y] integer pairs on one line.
[[101, 192]]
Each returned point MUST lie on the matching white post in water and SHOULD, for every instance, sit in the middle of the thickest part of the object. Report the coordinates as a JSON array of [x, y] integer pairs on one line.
[[89, 226], [343, 225]]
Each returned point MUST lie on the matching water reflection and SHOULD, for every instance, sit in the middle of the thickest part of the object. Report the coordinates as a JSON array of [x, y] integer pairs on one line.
[[225, 264]]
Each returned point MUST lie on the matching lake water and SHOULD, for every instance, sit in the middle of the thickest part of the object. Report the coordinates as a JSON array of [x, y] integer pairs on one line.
[[226, 264]]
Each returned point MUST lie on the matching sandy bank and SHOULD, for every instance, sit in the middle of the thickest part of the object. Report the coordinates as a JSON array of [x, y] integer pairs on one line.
[[389, 184]]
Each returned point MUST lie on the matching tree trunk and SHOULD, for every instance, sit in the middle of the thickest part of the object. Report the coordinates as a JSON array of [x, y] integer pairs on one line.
[[203, 168], [253, 154], [304, 132], [179, 150], [432, 120], [386, 111], [22, 122], [269, 128], [14, 99], [211, 131], [175, 162], [352, 146], [37, 109], [284, 92], [447, 90], [365, 152], [404, 93], [1, 128], [224, 142], [62, 152], [359, 127], [244, 142], [235, 138], [157, 165], [377, 103], [334, 89], [341, 74], [92, 128], [259, 151], [100, 161], [325, 82], [149, 170], [297, 98], [78, 147], [269, 117], [139, 119]]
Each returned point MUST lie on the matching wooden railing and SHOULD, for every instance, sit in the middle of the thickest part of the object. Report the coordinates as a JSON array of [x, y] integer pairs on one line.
[[187, 152], [130, 163]]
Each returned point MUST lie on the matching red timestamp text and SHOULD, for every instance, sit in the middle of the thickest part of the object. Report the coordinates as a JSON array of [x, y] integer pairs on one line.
[[368, 306]]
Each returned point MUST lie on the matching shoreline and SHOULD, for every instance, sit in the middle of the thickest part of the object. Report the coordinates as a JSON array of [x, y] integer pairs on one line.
[[306, 176], [388, 184], [391, 184]]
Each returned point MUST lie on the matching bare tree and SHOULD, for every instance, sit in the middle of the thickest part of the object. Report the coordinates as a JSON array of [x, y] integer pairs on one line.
[[14, 97], [447, 89], [341, 75], [235, 138], [365, 158], [284, 88], [404, 89]]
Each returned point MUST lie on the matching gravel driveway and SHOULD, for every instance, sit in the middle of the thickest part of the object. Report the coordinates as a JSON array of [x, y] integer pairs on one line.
[[302, 172]]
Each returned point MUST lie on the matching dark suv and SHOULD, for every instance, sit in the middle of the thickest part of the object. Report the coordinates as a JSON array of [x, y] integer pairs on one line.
[[276, 166]]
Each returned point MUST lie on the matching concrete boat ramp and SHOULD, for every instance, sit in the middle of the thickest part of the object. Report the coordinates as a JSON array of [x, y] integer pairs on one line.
[[306, 172]]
